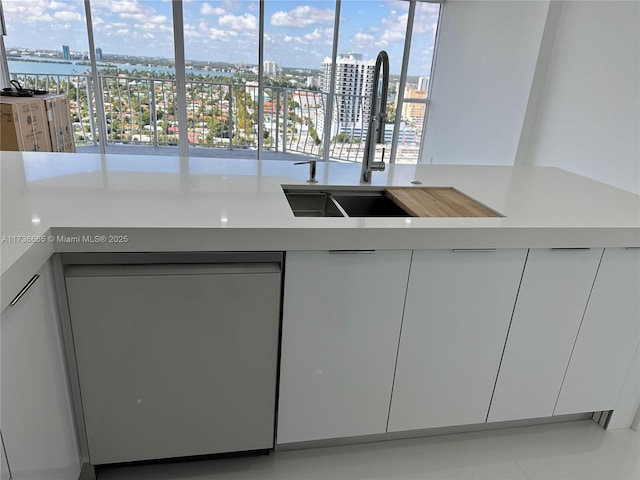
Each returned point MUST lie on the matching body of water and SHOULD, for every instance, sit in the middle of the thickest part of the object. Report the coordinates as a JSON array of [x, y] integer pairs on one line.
[[72, 68]]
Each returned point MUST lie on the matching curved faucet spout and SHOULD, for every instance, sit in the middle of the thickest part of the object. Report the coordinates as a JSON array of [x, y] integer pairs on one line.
[[377, 118]]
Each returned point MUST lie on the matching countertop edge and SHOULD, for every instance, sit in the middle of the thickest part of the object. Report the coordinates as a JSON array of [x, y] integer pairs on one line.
[[15, 276]]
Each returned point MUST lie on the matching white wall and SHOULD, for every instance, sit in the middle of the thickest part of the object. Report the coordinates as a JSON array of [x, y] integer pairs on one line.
[[588, 116], [486, 59]]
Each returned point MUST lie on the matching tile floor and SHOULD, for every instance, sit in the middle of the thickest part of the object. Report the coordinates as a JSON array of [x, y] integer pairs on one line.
[[579, 450]]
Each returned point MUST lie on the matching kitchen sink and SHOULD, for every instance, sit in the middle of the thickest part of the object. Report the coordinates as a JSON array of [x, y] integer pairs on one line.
[[363, 202], [367, 201]]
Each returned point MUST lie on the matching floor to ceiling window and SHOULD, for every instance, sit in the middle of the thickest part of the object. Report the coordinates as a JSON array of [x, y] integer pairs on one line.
[[366, 28], [221, 41], [298, 39], [411, 102], [136, 71], [298, 107]]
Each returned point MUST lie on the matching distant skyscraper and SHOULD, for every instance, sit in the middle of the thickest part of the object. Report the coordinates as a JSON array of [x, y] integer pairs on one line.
[[353, 89], [270, 67], [414, 112], [99, 54], [66, 54], [423, 83], [313, 81]]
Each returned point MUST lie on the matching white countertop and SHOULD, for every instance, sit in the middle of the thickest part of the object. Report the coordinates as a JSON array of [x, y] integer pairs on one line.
[[206, 204]]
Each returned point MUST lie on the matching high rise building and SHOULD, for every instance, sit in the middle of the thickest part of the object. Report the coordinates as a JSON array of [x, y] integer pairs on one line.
[[412, 111], [353, 88], [270, 67], [423, 83], [66, 54], [99, 54], [313, 82]]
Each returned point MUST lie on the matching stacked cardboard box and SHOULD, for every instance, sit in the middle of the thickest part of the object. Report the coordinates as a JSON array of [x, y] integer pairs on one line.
[[24, 124], [59, 118], [39, 124]]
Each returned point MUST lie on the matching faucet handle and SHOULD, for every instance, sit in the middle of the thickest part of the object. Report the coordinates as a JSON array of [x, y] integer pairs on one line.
[[312, 170], [379, 166]]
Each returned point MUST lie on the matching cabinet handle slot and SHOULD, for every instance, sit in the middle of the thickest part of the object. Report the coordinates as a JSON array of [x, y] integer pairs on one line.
[[24, 289], [463, 250], [351, 251]]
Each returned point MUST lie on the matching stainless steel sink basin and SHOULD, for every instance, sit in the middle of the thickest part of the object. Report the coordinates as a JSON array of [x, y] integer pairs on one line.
[[363, 202], [313, 204]]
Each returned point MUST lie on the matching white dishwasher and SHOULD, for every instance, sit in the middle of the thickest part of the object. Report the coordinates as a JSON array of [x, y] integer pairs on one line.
[[176, 359]]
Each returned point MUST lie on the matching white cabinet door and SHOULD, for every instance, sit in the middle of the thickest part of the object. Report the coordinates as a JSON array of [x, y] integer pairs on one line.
[[341, 323], [608, 336], [552, 298], [628, 403], [37, 424], [456, 318]]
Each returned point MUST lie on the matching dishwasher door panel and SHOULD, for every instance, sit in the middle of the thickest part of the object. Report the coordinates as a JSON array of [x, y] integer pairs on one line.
[[175, 364]]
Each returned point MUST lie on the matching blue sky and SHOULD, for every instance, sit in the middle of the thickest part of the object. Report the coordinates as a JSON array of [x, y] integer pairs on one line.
[[298, 33]]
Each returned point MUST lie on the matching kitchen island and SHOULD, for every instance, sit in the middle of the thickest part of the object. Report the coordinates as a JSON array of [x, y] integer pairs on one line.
[[563, 241]]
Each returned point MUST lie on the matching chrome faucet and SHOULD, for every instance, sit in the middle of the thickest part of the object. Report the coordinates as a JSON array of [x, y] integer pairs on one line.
[[375, 132]]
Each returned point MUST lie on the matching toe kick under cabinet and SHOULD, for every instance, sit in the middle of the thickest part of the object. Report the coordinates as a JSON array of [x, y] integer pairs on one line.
[[176, 359]]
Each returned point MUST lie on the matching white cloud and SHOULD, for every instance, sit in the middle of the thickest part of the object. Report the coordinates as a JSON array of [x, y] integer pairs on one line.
[[26, 12], [320, 35], [217, 34], [60, 5], [124, 6], [363, 38], [157, 27], [244, 22], [146, 18], [116, 6], [313, 36], [66, 16], [192, 33], [395, 30], [392, 36], [393, 4], [207, 9], [133, 16], [302, 16], [426, 20]]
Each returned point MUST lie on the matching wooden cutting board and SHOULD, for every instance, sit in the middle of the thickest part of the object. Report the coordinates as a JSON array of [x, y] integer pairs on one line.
[[437, 202]]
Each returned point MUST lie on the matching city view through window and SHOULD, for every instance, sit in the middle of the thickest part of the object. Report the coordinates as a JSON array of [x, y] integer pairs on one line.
[[47, 47]]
